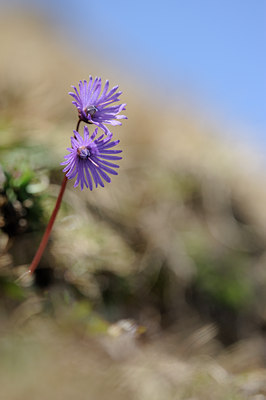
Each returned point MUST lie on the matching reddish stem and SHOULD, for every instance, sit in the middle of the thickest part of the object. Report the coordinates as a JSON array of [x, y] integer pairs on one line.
[[49, 227], [48, 230]]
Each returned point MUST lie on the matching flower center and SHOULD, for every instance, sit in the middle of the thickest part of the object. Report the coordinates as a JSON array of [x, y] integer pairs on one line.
[[91, 110], [84, 152]]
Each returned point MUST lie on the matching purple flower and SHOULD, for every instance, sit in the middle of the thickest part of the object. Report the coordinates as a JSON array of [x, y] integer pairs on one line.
[[96, 108], [89, 159]]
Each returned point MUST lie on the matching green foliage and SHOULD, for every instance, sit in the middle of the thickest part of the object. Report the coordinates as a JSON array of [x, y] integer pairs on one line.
[[21, 203], [222, 275], [23, 181], [224, 281], [11, 290]]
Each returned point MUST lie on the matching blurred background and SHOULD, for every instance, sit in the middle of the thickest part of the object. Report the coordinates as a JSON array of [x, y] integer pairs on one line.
[[155, 285]]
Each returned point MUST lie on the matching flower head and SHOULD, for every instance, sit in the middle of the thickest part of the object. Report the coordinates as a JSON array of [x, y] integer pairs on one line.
[[89, 159], [96, 108]]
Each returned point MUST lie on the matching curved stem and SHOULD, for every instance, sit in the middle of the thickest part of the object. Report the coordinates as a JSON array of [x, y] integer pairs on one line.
[[77, 127], [49, 227], [48, 230]]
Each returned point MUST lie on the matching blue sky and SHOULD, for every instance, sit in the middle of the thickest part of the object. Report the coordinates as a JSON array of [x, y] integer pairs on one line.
[[214, 48]]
